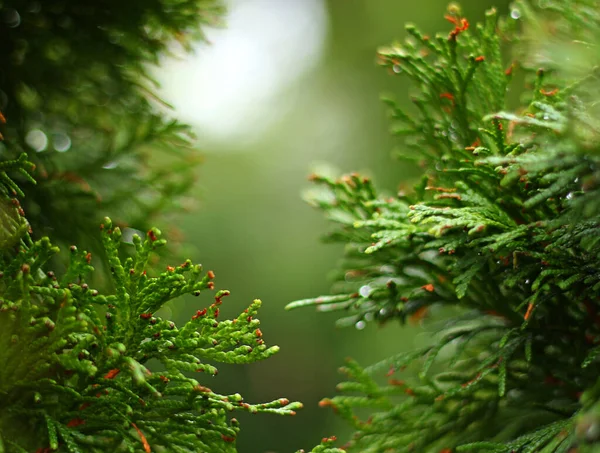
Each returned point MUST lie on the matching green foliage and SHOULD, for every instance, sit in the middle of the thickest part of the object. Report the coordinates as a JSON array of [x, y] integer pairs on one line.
[[73, 374], [500, 237], [77, 95], [326, 446], [77, 107]]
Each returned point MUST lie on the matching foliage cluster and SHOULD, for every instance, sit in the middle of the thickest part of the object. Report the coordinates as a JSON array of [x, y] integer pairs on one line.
[[83, 136], [76, 90], [499, 241]]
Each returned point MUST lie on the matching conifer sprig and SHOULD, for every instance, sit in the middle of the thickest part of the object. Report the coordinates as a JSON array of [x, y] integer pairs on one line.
[[503, 229], [73, 361]]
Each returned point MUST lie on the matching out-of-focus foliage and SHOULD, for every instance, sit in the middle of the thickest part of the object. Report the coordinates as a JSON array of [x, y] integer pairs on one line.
[[78, 99], [502, 233]]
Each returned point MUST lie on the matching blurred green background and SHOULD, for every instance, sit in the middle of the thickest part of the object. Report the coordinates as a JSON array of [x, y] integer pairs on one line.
[[289, 86]]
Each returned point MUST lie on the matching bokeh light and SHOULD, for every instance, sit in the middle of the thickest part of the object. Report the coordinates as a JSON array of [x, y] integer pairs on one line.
[[231, 88]]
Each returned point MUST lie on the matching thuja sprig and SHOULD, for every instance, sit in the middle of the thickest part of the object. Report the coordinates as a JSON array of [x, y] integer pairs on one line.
[[74, 362], [452, 72], [21, 166], [326, 446], [503, 227], [13, 224]]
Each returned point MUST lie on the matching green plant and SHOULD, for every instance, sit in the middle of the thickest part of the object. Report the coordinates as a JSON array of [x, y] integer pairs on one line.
[[73, 360], [499, 240], [82, 137], [78, 97]]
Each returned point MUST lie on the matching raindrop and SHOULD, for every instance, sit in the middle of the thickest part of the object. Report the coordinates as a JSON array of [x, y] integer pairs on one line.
[[397, 68], [360, 325], [383, 312], [110, 165], [369, 316], [37, 140], [11, 17], [569, 196], [61, 142], [527, 282], [515, 14], [364, 291]]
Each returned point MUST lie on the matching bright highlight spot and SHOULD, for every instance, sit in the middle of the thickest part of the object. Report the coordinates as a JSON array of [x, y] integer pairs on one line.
[[62, 142], [37, 140], [231, 89]]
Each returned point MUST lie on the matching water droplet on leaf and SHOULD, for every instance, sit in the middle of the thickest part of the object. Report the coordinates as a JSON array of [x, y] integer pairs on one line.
[[364, 291], [110, 165]]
